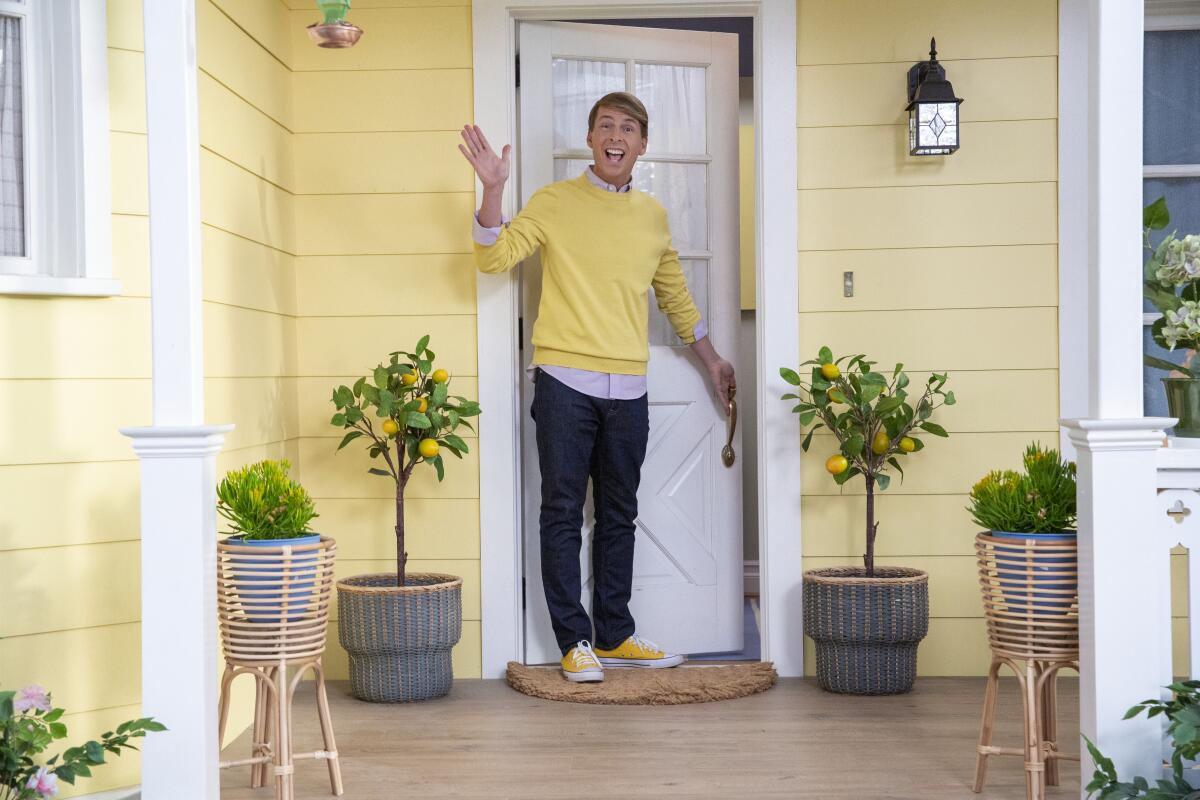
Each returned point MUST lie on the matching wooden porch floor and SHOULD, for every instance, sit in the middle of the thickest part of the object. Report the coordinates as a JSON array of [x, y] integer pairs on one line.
[[795, 741]]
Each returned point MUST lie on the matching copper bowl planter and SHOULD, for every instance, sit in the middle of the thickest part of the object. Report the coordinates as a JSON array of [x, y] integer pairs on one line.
[[335, 34]]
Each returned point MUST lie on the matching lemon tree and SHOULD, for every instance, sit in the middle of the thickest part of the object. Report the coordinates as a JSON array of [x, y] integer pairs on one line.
[[872, 415], [405, 415]]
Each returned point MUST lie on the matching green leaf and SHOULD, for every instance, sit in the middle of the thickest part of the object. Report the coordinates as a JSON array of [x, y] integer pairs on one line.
[[6, 705], [1155, 216], [154, 726], [949, 398], [58, 730], [934, 428], [854, 445], [897, 466], [54, 715], [421, 345], [358, 387], [456, 443], [789, 375], [66, 773], [808, 439], [888, 404], [84, 770], [883, 481], [378, 471], [806, 417], [1159, 363], [842, 477], [413, 419], [95, 753], [345, 397], [439, 394], [338, 420], [825, 355], [437, 465], [349, 437], [381, 377]]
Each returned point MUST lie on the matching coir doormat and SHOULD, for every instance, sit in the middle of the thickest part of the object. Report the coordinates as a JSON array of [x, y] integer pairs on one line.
[[646, 687]]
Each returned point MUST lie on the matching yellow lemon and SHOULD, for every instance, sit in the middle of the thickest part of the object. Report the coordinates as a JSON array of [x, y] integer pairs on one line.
[[881, 443], [391, 427], [428, 448], [907, 445], [830, 371], [440, 376], [424, 405], [836, 396], [837, 464], [408, 378]]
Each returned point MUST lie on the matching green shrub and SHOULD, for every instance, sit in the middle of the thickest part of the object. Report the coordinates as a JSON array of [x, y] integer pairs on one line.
[[1041, 499], [262, 502]]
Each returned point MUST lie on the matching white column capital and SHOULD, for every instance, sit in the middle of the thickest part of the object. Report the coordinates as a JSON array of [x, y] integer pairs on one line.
[[1108, 435], [172, 441]]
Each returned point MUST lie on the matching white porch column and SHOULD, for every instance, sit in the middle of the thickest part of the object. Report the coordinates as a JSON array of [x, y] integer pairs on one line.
[[178, 452], [1120, 631]]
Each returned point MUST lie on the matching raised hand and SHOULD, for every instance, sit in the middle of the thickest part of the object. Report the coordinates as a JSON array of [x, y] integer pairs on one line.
[[492, 169]]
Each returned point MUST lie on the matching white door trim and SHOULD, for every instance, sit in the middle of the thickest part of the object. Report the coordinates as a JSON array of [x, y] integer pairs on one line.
[[494, 22]]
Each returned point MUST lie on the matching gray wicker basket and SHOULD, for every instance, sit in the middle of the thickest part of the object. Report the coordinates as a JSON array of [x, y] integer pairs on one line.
[[399, 638], [866, 629]]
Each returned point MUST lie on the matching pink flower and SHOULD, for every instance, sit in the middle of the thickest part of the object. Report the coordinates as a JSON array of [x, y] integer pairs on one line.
[[32, 696], [43, 782]]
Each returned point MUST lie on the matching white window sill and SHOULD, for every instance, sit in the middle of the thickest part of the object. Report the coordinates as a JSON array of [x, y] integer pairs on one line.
[[44, 285]]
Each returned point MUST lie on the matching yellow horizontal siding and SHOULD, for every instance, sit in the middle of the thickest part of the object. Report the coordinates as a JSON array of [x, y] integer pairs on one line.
[[873, 94], [332, 286], [341, 345], [303, 5], [131, 254], [315, 408], [242, 272], [940, 339], [945, 466], [264, 407], [69, 662], [436, 528], [388, 162], [125, 24], [928, 216], [366, 224], [243, 204], [75, 338], [931, 278], [236, 130], [327, 473], [1021, 151], [433, 100], [239, 62], [833, 526], [52, 422], [862, 31], [127, 152], [126, 91], [102, 507], [397, 38], [103, 580], [267, 22], [227, 329]]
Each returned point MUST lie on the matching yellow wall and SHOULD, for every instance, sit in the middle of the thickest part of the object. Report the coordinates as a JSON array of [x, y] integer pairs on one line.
[[954, 261]]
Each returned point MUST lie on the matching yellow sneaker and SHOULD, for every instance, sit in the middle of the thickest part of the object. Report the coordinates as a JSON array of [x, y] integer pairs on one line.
[[580, 664], [638, 652]]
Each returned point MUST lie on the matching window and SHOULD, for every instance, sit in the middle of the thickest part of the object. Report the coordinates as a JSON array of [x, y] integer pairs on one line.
[[1171, 156], [55, 224]]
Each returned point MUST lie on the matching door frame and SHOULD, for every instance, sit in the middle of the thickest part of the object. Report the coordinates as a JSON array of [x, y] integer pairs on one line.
[[777, 321]]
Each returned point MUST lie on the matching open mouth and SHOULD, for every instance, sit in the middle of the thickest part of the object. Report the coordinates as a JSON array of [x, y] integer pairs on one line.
[[613, 155]]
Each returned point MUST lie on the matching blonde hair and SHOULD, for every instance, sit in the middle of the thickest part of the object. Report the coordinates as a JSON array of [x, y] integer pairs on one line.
[[626, 102]]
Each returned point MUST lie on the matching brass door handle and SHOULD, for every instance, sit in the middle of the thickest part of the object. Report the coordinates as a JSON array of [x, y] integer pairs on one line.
[[727, 454]]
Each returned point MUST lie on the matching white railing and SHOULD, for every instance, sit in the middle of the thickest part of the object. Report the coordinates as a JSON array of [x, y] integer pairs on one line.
[[1177, 523]]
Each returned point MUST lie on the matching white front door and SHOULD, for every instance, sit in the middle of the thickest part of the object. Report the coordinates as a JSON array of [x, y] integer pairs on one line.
[[687, 585]]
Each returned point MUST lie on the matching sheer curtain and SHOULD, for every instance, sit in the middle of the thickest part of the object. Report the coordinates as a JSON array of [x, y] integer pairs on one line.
[[12, 161]]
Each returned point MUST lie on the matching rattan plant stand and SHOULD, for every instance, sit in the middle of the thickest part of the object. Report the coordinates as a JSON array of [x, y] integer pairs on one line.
[[1031, 604], [273, 611]]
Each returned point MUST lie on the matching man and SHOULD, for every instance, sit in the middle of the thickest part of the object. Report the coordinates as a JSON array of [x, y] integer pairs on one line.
[[604, 244]]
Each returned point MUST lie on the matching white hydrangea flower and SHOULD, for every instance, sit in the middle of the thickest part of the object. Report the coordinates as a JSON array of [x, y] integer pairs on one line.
[[1181, 261], [1182, 324]]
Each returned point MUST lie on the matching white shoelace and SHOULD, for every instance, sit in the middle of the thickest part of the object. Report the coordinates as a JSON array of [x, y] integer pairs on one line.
[[583, 657], [646, 644]]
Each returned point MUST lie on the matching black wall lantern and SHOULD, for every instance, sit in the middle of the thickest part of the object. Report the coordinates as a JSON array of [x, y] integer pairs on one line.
[[932, 109]]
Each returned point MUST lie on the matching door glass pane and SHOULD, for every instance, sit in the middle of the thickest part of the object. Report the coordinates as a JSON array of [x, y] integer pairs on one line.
[[565, 168], [578, 84], [675, 101], [683, 191], [12, 148], [1171, 97], [695, 272]]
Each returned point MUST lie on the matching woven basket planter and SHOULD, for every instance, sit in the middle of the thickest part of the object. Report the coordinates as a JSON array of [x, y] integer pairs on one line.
[[399, 638], [866, 629]]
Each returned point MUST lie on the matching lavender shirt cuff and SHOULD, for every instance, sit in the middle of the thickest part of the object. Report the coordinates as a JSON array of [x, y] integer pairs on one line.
[[701, 330], [486, 236]]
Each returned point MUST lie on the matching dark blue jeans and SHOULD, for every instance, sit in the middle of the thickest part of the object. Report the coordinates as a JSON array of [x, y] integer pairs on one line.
[[579, 436]]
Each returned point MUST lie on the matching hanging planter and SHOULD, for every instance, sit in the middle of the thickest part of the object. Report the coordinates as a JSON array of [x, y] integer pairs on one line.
[[334, 30]]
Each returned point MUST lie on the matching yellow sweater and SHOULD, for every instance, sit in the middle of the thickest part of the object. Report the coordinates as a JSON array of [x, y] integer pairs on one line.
[[601, 252]]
